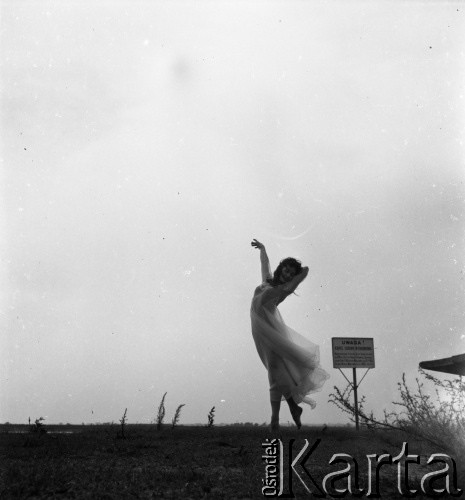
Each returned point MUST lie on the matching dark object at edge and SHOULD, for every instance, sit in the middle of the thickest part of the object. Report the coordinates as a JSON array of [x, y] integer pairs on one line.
[[454, 365]]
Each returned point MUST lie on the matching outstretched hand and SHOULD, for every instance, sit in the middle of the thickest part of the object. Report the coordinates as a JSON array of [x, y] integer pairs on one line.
[[255, 243]]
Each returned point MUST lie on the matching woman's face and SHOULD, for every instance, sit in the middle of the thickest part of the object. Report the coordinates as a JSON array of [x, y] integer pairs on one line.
[[287, 273]]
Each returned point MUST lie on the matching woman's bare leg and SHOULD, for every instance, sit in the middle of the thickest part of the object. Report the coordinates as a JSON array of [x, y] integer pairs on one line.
[[275, 407]]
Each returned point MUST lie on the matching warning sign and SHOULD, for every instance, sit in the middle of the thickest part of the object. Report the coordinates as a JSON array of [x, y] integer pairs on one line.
[[353, 352]]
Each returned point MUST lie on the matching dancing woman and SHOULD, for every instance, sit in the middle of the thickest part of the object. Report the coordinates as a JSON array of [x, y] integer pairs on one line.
[[292, 361]]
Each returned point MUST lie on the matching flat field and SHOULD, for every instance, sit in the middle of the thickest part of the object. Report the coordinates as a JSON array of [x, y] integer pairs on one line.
[[224, 462]]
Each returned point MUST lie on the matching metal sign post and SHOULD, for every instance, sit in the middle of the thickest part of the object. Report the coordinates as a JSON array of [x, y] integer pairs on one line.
[[354, 370], [353, 352]]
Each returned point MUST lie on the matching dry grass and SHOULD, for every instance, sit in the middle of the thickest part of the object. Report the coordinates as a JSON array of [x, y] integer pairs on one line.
[[194, 462]]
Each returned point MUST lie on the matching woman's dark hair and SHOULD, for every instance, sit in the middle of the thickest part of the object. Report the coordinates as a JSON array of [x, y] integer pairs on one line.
[[289, 261]]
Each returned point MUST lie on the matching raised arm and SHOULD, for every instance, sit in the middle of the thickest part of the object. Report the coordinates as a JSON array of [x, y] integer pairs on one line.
[[264, 260]]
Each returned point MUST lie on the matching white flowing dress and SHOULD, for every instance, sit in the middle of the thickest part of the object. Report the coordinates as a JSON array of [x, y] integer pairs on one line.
[[292, 361]]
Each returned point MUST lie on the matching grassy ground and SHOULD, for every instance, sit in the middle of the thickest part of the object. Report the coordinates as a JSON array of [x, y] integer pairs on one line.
[[187, 462]]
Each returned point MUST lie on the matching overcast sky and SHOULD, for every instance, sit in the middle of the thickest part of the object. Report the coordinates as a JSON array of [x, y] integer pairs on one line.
[[144, 145]]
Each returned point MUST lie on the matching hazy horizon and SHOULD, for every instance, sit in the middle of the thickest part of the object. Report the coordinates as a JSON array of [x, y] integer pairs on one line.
[[145, 144]]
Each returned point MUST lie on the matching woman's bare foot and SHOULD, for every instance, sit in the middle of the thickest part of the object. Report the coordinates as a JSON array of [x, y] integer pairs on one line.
[[296, 413]]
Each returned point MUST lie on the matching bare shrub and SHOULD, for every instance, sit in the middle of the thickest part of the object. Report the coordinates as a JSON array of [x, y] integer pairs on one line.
[[161, 412], [439, 420], [177, 416], [38, 427], [122, 435], [211, 417]]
